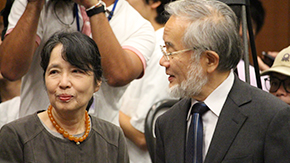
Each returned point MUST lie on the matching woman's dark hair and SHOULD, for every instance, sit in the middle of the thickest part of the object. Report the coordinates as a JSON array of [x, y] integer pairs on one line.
[[78, 49]]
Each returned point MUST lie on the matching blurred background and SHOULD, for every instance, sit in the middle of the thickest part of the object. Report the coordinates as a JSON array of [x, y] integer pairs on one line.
[[2, 5], [275, 34]]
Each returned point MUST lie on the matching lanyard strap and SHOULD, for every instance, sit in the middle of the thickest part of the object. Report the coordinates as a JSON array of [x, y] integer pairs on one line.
[[112, 12]]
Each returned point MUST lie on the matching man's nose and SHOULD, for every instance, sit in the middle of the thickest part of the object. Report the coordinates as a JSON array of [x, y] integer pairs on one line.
[[281, 91], [164, 61]]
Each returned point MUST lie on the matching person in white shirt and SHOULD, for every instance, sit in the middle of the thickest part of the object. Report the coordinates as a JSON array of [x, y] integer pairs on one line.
[[9, 100], [9, 97], [143, 93]]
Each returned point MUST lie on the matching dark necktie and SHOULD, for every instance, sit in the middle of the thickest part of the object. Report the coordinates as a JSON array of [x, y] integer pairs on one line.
[[195, 134]]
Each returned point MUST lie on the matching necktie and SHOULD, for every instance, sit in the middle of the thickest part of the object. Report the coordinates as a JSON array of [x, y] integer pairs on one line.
[[195, 134]]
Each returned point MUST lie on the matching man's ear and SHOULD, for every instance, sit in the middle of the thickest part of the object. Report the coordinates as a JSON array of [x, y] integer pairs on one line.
[[154, 5], [212, 60]]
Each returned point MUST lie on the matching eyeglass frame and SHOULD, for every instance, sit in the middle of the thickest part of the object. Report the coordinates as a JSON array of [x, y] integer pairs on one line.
[[173, 53], [279, 85]]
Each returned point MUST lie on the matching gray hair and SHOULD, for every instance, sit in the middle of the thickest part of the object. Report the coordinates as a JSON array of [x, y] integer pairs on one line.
[[212, 26]]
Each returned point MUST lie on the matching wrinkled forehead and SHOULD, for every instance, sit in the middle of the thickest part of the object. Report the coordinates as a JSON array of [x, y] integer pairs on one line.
[[175, 29], [175, 25]]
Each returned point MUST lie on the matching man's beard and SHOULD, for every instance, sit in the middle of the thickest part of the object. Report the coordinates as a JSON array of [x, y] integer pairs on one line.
[[196, 79]]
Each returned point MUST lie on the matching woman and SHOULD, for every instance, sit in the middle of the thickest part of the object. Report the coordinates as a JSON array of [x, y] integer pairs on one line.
[[65, 132]]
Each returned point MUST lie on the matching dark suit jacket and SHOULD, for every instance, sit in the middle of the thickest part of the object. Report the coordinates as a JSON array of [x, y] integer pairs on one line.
[[253, 126]]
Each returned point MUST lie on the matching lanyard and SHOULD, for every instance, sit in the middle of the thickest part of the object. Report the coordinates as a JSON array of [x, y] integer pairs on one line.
[[112, 12]]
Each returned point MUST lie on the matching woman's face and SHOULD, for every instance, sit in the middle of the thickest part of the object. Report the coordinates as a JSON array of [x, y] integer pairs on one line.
[[68, 87]]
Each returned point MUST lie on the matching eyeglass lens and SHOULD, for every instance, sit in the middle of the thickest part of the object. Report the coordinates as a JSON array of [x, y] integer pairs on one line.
[[163, 49], [275, 84]]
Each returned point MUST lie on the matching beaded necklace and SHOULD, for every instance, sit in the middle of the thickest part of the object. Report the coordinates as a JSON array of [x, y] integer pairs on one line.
[[64, 133]]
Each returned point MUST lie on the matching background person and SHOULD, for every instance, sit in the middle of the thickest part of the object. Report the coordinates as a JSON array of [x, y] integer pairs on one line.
[[141, 94], [241, 123], [5, 10], [65, 132], [278, 82], [257, 13], [9, 100], [9, 93]]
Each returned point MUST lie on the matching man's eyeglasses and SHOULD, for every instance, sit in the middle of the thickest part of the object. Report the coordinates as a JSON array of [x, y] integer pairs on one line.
[[163, 49], [273, 84]]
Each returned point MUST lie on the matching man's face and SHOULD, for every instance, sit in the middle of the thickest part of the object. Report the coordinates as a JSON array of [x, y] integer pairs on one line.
[[186, 75], [241, 30], [281, 93]]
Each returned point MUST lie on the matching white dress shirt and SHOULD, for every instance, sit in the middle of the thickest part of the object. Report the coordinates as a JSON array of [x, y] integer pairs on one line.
[[215, 102]]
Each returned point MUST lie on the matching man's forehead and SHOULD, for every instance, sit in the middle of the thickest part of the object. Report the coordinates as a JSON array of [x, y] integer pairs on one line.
[[176, 23], [174, 29]]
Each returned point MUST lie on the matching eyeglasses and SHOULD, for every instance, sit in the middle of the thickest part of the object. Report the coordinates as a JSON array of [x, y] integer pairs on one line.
[[163, 49], [273, 84]]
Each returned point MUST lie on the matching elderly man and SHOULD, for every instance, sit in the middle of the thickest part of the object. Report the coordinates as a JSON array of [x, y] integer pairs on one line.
[[278, 83], [220, 118]]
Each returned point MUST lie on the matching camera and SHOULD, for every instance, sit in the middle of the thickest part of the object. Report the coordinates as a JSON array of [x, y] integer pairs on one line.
[[268, 59]]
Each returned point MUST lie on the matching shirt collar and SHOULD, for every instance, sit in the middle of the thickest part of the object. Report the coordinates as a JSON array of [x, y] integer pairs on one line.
[[217, 98]]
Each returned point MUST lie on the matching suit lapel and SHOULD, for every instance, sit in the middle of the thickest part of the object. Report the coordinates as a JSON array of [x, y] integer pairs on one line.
[[229, 123], [179, 124]]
